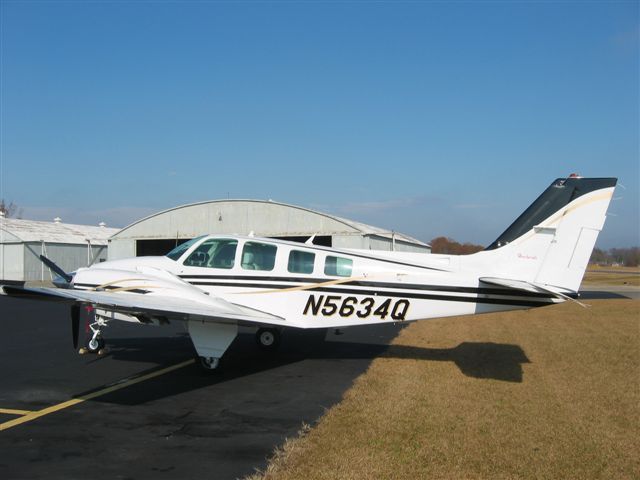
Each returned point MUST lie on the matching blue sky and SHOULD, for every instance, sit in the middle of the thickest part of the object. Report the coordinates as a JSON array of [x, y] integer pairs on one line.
[[429, 118]]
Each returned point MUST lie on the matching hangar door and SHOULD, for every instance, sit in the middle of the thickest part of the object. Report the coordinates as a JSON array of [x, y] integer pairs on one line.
[[145, 248]]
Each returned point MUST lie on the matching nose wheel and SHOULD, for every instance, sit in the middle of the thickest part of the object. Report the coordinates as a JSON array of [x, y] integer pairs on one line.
[[95, 343]]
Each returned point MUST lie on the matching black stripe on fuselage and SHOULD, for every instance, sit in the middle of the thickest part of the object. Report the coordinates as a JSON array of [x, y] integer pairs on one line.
[[354, 283], [446, 298], [525, 298]]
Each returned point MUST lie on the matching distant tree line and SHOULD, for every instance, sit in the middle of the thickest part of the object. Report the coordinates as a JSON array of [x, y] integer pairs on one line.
[[449, 246], [628, 257]]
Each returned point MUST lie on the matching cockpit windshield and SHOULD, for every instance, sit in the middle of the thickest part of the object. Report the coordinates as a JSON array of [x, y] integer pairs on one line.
[[177, 252]]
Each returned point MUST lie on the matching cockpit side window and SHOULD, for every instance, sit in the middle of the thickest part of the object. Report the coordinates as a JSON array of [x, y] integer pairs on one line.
[[214, 253], [258, 256]]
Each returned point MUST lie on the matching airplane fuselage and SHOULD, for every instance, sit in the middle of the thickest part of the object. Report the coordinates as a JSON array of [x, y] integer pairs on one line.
[[314, 287]]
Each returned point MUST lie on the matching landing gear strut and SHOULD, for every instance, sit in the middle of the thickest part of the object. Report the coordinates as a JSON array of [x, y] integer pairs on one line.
[[268, 338], [96, 343]]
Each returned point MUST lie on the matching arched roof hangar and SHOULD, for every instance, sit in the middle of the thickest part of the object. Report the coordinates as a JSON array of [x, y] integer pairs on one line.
[[158, 233]]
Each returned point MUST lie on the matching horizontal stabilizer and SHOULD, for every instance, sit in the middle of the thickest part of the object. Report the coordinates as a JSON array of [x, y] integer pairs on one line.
[[525, 286]]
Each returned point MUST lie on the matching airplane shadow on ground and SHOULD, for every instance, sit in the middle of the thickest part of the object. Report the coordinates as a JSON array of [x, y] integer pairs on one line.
[[600, 295], [477, 360], [483, 360]]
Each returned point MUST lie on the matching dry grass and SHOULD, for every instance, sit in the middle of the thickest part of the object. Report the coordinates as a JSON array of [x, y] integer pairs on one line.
[[547, 394], [612, 276]]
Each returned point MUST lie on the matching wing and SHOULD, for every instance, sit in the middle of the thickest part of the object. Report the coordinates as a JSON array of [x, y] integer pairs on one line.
[[163, 307]]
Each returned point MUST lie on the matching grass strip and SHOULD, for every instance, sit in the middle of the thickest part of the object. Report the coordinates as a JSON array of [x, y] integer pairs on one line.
[[541, 394]]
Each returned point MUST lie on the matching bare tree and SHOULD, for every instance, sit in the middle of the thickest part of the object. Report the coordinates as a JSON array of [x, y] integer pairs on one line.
[[8, 209]]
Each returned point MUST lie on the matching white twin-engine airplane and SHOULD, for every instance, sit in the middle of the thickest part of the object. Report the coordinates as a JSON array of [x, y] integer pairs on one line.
[[216, 283]]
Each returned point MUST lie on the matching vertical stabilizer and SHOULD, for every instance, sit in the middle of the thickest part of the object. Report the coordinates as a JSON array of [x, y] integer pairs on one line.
[[551, 242]]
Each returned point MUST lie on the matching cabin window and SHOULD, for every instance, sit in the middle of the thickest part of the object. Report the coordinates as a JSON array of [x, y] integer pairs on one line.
[[301, 262], [213, 253], [258, 256], [338, 266]]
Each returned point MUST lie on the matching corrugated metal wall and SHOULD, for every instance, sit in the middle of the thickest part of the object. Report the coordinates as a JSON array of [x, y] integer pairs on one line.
[[349, 241], [376, 242], [12, 262], [67, 257], [410, 247], [122, 248]]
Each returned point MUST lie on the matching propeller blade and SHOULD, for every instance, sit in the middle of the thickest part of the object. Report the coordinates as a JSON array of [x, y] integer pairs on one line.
[[75, 323], [56, 269]]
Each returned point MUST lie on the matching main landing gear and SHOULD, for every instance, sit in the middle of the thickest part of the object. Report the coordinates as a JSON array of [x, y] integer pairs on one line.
[[210, 363], [268, 338]]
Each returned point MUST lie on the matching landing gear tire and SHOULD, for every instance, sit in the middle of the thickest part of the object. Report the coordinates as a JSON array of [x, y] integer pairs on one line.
[[268, 338], [210, 364], [95, 345]]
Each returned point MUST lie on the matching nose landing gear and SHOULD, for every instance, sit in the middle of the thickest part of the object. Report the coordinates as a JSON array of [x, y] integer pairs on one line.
[[96, 343]]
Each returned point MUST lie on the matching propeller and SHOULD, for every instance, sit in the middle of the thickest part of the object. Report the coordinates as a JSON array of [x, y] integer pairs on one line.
[[56, 269], [75, 323]]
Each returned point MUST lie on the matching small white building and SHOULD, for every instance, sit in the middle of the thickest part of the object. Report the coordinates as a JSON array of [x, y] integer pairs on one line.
[[69, 246]]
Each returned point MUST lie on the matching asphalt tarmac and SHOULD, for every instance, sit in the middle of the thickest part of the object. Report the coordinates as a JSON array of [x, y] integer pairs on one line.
[[591, 292], [145, 410]]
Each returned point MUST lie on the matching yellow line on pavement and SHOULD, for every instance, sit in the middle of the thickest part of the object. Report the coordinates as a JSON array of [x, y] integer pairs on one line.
[[11, 411], [127, 382]]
